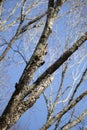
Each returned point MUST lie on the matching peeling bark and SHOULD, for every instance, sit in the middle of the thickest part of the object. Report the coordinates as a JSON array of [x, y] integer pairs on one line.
[[12, 112], [17, 106]]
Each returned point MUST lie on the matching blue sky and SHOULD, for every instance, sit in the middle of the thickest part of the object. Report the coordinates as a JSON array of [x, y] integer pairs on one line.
[[35, 117]]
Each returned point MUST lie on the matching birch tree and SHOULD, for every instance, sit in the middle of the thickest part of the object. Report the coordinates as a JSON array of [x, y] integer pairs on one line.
[[49, 38]]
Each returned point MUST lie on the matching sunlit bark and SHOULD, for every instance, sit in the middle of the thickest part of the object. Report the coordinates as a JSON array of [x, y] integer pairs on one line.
[[17, 105]]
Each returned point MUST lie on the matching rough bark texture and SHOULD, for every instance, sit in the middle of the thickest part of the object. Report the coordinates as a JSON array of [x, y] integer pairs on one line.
[[10, 116], [17, 106], [13, 111]]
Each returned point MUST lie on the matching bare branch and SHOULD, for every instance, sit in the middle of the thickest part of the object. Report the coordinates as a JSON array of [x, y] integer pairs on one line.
[[19, 31], [25, 27], [10, 15], [77, 86], [26, 94], [61, 84], [1, 8], [59, 62], [73, 123], [65, 110]]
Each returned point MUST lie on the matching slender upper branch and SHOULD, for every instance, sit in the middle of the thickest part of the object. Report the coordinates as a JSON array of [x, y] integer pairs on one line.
[[73, 123], [65, 110]]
